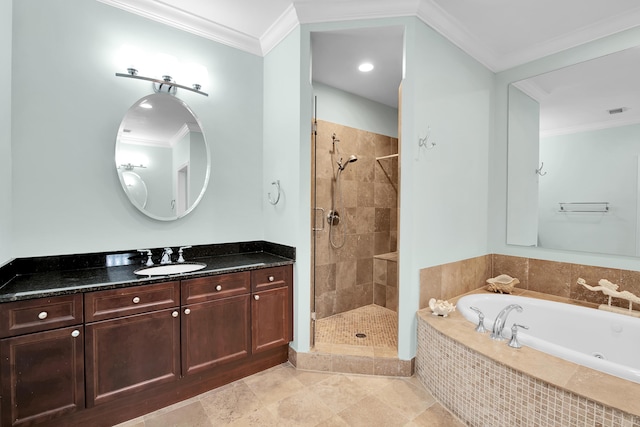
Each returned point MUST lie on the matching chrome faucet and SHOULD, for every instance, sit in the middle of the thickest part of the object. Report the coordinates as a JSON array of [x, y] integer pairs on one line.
[[498, 325], [166, 256], [180, 257]]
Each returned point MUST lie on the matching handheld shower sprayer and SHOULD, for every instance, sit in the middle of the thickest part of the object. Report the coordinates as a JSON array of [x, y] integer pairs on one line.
[[352, 158]]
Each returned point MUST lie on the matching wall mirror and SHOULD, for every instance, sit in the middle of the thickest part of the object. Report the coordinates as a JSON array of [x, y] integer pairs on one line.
[[573, 157], [162, 157]]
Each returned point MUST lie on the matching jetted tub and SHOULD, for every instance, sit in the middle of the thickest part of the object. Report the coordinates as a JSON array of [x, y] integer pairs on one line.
[[597, 339]]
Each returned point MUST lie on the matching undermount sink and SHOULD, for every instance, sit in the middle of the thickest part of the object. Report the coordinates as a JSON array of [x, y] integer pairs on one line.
[[168, 269]]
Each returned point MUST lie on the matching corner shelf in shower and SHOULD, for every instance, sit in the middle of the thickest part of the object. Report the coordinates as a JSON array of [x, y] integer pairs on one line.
[[390, 156], [390, 256]]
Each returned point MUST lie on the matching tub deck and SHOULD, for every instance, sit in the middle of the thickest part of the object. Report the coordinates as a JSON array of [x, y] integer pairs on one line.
[[602, 388]]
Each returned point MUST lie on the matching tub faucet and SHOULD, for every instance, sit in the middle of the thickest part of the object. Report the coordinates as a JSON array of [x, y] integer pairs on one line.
[[498, 325], [166, 256]]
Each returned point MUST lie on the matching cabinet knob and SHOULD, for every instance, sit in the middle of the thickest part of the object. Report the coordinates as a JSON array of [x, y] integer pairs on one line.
[[271, 278], [187, 311], [43, 315], [175, 314], [256, 297], [136, 300], [219, 288], [75, 333]]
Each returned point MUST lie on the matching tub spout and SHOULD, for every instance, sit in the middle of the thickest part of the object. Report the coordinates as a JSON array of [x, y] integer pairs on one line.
[[498, 325]]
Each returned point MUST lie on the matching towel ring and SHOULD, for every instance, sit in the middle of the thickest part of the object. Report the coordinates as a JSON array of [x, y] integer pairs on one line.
[[277, 184]]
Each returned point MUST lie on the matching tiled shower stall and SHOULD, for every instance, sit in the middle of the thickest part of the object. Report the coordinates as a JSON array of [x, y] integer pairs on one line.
[[364, 270]]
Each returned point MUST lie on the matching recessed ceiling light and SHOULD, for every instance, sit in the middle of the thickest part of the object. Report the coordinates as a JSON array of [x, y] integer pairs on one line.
[[365, 67]]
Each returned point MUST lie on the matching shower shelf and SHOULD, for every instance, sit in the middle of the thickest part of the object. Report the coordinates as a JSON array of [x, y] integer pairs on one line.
[[390, 156]]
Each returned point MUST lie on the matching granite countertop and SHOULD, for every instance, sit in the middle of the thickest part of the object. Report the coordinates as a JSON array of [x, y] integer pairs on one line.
[[26, 283]]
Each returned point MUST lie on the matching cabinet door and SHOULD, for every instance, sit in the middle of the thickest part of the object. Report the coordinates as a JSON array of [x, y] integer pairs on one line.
[[214, 333], [270, 319], [131, 354], [42, 376]]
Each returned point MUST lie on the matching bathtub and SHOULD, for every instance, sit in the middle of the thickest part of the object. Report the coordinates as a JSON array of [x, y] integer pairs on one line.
[[597, 339]]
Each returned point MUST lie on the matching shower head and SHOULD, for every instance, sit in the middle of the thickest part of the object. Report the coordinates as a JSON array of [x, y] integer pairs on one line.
[[352, 158]]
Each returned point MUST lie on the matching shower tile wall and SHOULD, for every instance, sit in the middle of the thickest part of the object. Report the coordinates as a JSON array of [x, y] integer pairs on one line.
[[344, 277]]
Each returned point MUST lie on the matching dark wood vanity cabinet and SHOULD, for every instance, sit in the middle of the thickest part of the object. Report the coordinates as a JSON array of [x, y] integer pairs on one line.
[[106, 356], [271, 308], [128, 353], [215, 321], [42, 355]]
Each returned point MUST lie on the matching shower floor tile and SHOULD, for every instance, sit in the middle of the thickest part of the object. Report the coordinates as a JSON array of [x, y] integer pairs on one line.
[[378, 324]]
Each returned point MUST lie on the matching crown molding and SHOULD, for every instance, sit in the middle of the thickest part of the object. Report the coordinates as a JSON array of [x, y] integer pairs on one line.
[[592, 126], [434, 16], [178, 18], [348, 10], [586, 34], [281, 28], [428, 11]]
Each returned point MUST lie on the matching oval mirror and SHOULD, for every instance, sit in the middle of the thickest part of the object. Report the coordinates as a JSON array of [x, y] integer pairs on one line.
[[162, 157]]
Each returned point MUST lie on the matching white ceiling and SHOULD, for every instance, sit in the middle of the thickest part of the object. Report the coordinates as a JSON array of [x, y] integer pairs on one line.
[[578, 98], [500, 34]]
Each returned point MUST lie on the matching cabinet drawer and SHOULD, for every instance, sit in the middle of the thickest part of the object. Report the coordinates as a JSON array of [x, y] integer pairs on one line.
[[215, 287], [41, 314], [113, 303], [269, 278]]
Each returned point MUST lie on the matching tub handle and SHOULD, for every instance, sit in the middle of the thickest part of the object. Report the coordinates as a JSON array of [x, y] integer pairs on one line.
[[513, 343], [480, 328]]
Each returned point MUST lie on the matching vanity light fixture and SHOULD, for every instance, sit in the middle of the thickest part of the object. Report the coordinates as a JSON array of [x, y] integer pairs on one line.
[[130, 167], [165, 85], [365, 67]]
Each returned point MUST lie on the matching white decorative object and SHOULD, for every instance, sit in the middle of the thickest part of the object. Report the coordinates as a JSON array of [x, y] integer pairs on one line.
[[611, 290], [441, 307], [503, 284]]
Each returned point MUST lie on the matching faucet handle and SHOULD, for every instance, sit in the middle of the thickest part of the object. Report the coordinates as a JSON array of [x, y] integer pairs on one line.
[[480, 328], [514, 335], [148, 252], [181, 258]]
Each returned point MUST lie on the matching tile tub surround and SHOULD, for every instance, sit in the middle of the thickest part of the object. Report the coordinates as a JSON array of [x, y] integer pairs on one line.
[[485, 382], [25, 278], [447, 281], [344, 277]]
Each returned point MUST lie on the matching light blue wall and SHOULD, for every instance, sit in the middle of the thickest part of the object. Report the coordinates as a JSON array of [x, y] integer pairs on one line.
[[591, 166], [5, 131], [498, 151], [338, 106], [286, 152], [67, 106], [443, 190]]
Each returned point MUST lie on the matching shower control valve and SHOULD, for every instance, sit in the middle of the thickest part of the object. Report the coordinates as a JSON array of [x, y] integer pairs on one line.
[[333, 217]]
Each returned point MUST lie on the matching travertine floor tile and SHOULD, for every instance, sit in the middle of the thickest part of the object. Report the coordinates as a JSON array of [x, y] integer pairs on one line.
[[260, 418], [406, 398], [230, 403], [274, 384], [303, 409], [371, 411], [436, 416], [286, 396], [191, 415], [338, 392]]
